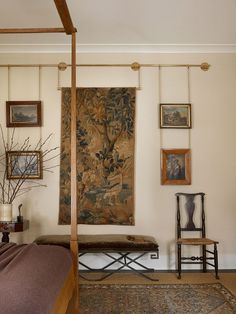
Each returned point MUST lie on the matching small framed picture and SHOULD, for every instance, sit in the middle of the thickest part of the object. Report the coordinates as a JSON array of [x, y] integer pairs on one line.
[[24, 164], [23, 114], [175, 116], [176, 167]]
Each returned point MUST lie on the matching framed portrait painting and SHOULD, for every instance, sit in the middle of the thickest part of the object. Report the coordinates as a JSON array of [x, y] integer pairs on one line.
[[176, 167], [23, 114], [175, 116], [24, 164]]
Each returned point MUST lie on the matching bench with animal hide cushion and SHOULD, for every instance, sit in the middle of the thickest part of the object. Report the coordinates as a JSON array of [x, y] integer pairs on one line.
[[124, 246]]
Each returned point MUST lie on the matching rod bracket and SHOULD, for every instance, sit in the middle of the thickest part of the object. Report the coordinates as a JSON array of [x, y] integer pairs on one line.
[[135, 66], [205, 66], [62, 66]]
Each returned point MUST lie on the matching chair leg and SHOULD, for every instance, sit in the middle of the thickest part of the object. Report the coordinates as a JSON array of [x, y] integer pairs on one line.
[[204, 268], [216, 261], [179, 261]]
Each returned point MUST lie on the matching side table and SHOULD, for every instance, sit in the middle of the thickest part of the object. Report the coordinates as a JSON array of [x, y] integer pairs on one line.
[[12, 226]]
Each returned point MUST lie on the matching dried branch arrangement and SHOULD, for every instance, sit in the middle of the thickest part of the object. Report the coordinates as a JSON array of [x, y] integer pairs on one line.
[[23, 165]]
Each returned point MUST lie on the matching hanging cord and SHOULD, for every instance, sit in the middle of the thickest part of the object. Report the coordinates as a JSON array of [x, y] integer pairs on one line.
[[189, 93], [58, 79], [39, 98], [8, 98], [39, 81], [158, 105], [62, 66], [135, 66], [158, 115], [139, 79]]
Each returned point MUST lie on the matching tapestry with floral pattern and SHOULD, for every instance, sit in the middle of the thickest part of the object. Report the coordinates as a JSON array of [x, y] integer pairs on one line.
[[105, 156]]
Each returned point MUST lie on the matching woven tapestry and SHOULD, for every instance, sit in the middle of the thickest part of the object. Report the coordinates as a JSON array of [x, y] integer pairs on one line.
[[105, 156]]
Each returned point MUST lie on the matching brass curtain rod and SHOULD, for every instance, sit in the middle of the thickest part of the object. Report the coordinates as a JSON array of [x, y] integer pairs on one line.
[[134, 66]]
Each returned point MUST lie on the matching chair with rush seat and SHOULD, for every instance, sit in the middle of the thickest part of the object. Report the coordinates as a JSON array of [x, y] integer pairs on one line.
[[201, 241]]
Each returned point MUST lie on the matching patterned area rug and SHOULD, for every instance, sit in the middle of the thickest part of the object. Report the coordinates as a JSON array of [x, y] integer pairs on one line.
[[150, 299]]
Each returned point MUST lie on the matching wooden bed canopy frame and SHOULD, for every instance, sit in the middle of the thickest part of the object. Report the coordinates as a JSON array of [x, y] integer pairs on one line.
[[69, 29]]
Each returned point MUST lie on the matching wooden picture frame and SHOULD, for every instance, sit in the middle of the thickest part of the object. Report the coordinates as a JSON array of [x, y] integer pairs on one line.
[[24, 164], [176, 167], [23, 114], [175, 116]]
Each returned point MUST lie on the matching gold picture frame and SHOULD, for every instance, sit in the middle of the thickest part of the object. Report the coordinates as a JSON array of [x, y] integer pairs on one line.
[[176, 167], [24, 164]]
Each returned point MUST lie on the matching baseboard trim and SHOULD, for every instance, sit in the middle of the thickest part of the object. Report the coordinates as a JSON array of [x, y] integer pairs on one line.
[[169, 271], [195, 271]]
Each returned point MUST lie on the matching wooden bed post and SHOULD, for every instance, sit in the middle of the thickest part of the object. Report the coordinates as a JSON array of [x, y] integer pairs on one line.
[[69, 29], [74, 240]]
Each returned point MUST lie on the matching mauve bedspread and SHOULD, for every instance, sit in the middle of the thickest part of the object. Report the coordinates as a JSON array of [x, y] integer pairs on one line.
[[31, 277]]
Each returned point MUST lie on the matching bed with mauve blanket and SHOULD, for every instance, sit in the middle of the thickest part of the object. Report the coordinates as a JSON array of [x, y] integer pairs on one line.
[[35, 279]]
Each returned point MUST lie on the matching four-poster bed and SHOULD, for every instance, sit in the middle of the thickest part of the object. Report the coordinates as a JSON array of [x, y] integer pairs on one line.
[[12, 254], [69, 283]]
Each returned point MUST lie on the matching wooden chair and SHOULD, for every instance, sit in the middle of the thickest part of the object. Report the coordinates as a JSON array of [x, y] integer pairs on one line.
[[199, 241]]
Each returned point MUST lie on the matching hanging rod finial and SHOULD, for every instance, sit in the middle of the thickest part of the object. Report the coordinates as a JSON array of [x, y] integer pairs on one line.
[[62, 66], [135, 66], [205, 66]]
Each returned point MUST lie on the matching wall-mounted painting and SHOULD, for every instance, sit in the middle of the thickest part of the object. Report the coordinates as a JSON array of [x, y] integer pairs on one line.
[[175, 116], [24, 164], [176, 167], [23, 113]]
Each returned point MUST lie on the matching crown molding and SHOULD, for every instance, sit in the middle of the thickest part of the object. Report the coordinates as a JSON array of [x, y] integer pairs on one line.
[[118, 48]]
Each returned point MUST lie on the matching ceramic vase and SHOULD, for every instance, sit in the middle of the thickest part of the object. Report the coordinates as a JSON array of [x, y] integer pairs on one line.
[[5, 212]]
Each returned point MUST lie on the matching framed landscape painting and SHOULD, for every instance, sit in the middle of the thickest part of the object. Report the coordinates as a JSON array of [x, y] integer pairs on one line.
[[176, 167], [23, 113], [24, 164], [175, 116]]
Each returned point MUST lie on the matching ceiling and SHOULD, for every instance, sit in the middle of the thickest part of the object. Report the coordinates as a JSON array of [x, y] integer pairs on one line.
[[110, 24]]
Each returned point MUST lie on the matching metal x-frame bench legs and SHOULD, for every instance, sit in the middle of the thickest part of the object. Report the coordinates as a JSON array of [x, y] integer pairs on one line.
[[125, 260]]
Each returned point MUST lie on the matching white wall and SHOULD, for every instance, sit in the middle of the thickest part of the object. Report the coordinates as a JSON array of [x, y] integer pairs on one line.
[[213, 98]]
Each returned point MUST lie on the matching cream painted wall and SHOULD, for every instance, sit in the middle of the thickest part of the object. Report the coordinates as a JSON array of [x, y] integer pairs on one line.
[[213, 98]]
